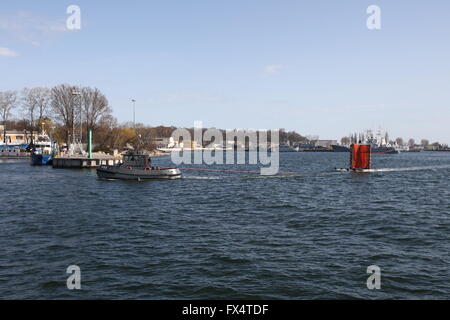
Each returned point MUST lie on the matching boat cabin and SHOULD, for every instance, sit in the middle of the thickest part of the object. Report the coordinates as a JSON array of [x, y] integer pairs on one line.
[[137, 160]]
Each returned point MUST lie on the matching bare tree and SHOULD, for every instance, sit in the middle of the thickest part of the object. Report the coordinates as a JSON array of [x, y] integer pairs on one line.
[[411, 142], [63, 104], [399, 141], [425, 143], [7, 104], [35, 103], [143, 140], [95, 105]]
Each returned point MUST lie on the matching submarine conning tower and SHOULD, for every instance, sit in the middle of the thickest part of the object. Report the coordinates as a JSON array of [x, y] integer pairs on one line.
[[360, 157]]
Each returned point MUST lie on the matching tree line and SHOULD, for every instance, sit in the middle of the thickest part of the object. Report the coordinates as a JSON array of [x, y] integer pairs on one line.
[[68, 113]]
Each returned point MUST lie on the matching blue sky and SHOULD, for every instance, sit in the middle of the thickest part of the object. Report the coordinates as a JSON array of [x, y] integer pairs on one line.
[[309, 66]]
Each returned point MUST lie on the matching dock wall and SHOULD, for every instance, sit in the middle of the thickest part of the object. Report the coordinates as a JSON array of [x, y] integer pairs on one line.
[[80, 163]]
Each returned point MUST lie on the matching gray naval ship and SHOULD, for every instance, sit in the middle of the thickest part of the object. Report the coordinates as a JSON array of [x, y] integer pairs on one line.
[[137, 166]]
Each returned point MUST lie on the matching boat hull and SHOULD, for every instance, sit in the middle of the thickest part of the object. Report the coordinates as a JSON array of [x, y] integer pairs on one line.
[[41, 160], [119, 173], [337, 148], [384, 150]]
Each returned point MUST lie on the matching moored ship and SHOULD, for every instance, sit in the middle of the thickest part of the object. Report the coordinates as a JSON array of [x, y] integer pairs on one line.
[[375, 149], [42, 151], [14, 152], [379, 143], [13, 144], [383, 150], [339, 148]]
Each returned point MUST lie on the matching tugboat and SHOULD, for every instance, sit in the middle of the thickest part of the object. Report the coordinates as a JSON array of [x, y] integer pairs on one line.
[[137, 166]]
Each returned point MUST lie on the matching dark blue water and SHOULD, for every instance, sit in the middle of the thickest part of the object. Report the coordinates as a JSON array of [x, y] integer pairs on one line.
[[219, 235]]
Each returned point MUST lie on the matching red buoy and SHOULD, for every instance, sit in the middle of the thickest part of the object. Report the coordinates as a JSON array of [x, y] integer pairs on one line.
[[360, 157]]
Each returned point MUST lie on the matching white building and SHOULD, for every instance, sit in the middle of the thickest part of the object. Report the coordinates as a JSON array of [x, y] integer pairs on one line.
[[14, 138]]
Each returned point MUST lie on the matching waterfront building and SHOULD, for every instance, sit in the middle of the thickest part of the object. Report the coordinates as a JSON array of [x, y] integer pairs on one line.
[[14, 138]]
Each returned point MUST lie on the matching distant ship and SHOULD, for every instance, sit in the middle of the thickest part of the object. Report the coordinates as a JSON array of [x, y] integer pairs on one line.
[[384, 150], [375, 149], [379, 143], [339, 148], [285, 148]]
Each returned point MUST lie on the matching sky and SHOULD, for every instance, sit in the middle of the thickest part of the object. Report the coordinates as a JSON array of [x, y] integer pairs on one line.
[[311, 66]]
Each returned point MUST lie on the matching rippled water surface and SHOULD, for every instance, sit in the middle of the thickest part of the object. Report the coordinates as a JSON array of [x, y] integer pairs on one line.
[[307, 234]]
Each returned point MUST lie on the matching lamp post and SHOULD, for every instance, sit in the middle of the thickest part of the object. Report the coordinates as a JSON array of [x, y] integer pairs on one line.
[[77, 93], [134, 112]]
